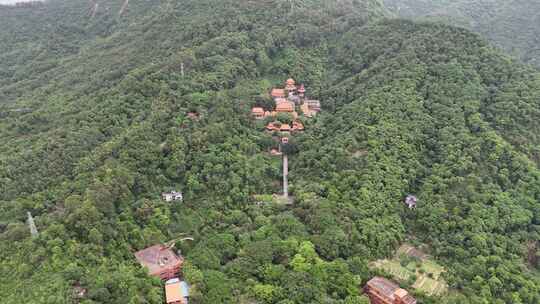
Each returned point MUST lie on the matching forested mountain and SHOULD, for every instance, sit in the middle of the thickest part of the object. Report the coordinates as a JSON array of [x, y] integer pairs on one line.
[[513, 25], [95, 123]]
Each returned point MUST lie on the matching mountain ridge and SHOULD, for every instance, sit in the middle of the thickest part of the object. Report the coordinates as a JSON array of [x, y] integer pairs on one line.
[[408, 107]]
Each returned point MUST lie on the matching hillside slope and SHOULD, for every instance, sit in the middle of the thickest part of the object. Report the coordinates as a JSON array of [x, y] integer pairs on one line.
[[511, 25], [93, 139]]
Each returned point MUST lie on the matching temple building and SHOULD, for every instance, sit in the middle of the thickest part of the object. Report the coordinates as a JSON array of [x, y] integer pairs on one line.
[[161, 261], [278, 93], [258, 113], [383, 291], [307, 111], [302, 91], [314, 105], [285, 128], [297, 126], [285, 107], [290, 85]]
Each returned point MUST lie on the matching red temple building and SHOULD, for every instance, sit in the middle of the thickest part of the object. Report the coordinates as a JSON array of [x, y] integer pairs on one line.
[[278, 93], [302, 91], [258, 112], [382, 291], [161, 261], [290, 85], [285, 107], [285, 128]]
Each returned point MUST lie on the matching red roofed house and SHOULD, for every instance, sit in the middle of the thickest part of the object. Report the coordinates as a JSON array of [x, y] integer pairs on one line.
[[285, 128], [272, 126], [382, 291], [161, 261], [297, 126], [278, 93], [284, 107], [290, 85], [257, 112]]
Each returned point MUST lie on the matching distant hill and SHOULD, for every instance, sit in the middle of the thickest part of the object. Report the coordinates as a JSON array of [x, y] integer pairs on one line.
[[513, 25], [102, 110]]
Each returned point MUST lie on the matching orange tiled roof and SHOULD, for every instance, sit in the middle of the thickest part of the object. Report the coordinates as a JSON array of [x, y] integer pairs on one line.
[[271, 126], [290, 81], [285, 127], [278, 93], [284, 106], [298, 126], [257, 110]]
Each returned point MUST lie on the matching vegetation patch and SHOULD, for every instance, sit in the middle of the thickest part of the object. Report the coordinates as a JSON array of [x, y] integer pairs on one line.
[[415, 267]]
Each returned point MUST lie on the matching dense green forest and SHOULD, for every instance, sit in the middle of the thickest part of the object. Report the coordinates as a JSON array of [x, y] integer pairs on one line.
[[94, 125], [513, 25]]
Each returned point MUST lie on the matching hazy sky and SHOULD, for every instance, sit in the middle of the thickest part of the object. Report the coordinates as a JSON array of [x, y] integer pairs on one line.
[[12, 1]]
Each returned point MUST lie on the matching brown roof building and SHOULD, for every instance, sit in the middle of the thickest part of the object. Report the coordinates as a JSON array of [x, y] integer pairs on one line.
[[284, 106], [273, 126], [257, 112], [285, 128], [278, 93], [161, 261], [382, 291], [290, 85], [297, 126]]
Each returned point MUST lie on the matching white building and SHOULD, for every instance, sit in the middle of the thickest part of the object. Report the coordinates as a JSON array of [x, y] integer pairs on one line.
[[172, 196]]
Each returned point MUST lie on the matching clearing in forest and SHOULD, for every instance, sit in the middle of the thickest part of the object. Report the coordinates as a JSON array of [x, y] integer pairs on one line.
[[410, 263]]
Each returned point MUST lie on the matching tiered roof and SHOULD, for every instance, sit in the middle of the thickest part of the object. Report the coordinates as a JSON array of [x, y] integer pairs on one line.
[[278, 93], [284, 106]]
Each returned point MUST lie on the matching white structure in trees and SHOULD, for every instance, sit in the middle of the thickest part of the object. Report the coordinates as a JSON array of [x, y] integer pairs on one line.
[[32, 225], [172, 196]]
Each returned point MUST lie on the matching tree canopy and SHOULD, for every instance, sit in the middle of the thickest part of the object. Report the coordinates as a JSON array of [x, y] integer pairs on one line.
[[100, 113]]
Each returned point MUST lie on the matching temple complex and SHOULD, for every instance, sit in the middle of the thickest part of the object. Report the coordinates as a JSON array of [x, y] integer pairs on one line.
[[286, 101], [383, 291]]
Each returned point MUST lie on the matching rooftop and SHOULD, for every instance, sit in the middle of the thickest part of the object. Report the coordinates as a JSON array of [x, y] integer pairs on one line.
[[158, 258], [176, 291], [285, 106], [285, 127], [173, 292], [278, 93], [389, 290]]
